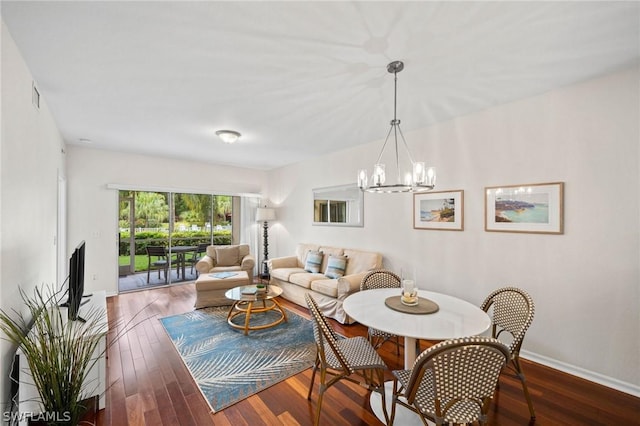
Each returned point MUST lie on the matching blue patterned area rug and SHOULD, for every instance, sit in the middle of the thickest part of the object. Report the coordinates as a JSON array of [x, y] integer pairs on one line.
[[229, 366]]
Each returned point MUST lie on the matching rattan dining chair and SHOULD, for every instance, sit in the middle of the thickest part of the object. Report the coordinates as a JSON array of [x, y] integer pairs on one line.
[[381, 278], [512, 312], [451, 382], [341, 358]]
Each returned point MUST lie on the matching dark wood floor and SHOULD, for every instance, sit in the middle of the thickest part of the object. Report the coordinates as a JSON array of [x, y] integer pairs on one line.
[[150, 384]]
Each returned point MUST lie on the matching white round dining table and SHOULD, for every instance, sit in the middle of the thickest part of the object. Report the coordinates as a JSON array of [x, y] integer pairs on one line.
[[455, 318]]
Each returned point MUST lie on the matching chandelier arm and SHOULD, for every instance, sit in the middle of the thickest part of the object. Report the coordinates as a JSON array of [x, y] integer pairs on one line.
[[395, 137], [384, 145], [405, 145]]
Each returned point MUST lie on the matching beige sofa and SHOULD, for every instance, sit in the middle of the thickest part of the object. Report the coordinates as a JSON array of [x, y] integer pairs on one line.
[[227, 258], [288, 273]]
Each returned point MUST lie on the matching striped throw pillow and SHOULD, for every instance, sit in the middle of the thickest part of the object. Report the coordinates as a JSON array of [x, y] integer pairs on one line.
[[313, 262], [336, 266]]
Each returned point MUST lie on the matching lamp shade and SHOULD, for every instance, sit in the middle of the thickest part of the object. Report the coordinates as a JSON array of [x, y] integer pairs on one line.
[[265, 214]]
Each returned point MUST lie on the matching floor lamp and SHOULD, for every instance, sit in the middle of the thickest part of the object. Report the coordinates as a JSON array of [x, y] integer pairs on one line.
[[265, 215]]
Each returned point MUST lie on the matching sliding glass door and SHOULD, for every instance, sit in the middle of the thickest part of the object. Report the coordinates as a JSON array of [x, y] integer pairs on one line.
[[163, 234]]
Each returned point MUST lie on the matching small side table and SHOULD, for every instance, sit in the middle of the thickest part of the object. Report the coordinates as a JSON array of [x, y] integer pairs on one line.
[[244, 305]]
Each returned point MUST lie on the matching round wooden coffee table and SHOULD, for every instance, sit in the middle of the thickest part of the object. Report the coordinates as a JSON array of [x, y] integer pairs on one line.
[[245, 299]]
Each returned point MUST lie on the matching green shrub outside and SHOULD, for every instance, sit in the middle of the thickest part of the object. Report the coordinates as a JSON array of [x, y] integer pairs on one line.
[[183, 238]]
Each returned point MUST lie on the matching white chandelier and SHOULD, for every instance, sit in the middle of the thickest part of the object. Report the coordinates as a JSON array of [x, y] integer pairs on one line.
[[419, 179]]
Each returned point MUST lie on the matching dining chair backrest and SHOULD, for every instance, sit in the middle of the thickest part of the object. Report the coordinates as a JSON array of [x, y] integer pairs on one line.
[[380, 278], [325, 336], [462, 375], [513, 311], [156, 251]]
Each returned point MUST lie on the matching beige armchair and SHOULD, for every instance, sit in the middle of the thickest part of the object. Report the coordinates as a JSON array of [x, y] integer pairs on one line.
[[227, 258]]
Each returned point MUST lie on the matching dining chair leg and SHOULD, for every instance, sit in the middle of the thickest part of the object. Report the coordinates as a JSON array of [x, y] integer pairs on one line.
[[525, 388], [381, 389], [323, 388], [313, 375], [394, 401]]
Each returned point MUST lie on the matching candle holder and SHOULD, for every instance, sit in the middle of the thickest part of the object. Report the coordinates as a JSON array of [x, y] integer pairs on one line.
[[409, 295]]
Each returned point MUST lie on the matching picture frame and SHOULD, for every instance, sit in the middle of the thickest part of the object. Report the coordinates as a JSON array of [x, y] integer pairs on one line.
[[441, 210], [530, 208]]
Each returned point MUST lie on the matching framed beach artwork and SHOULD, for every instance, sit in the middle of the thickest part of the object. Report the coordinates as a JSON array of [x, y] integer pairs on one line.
[[439, 210], [533, 208]]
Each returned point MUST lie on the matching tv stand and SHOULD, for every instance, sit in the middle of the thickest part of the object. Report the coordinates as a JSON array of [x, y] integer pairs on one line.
[[96, 381]]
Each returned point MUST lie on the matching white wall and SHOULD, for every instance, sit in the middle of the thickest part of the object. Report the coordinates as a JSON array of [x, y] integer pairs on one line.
[[30, 160], [584, 282], [93, 208]]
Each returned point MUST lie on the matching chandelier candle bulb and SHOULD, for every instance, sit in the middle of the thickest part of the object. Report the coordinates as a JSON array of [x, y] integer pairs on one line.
[[362, 178], [419, 173], [431, 177], [378, 176], [407, 179]]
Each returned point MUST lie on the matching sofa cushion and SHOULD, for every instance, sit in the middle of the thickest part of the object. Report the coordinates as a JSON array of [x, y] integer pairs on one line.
[[284, 273], [329, 251], [313, 261], [227, 256], [305, 279], [302, 250], [326, 286], [336, 266], [361, 261]]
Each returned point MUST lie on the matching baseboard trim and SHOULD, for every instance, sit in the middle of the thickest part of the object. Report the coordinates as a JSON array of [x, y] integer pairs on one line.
[[601, 379]]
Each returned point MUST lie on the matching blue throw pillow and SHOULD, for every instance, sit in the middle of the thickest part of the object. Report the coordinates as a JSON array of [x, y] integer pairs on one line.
[[336, 266], [313, 262]]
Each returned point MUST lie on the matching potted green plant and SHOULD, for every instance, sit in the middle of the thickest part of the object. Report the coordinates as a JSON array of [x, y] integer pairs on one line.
[[59, 353]]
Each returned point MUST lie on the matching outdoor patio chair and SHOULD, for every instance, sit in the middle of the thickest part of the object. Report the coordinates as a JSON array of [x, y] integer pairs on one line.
[[339, 358], [381, 278], [512, 312], [451, 382], [160, 263], [197, 255]]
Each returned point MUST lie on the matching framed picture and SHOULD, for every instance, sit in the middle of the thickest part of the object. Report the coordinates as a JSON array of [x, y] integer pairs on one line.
[[533, 208], [439, 210]]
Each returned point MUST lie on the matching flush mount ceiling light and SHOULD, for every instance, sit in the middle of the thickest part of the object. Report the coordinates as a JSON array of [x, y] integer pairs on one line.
[[228, 136], [418, 179]]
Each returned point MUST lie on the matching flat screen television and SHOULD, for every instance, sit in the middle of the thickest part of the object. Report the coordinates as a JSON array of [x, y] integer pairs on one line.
[[76, 283]]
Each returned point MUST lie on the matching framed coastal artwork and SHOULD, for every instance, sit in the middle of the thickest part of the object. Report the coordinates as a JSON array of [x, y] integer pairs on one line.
[[439, 210], [532, 208]]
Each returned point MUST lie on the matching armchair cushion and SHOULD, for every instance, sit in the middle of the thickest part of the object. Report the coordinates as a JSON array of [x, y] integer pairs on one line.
[[227, 256]]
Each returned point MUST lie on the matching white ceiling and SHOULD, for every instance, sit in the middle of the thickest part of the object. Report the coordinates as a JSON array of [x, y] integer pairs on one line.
[[299, 79]]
